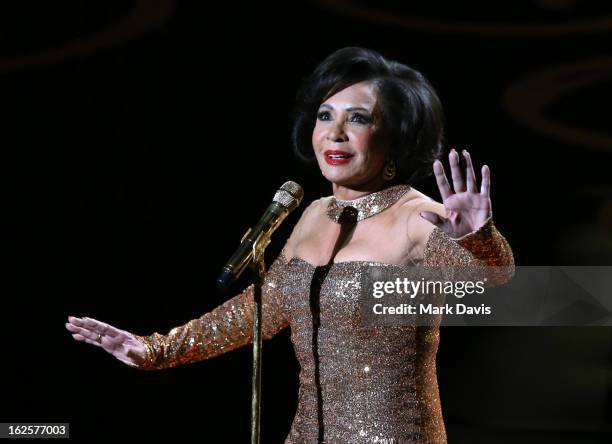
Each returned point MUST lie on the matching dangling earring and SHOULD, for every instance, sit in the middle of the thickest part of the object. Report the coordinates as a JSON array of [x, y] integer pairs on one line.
[[389, 170]]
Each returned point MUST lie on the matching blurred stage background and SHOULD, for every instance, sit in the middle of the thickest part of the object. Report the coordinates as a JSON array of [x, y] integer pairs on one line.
[[142, 138]]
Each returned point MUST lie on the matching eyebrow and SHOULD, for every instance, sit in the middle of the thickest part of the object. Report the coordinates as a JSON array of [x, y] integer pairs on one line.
[[350, 108]]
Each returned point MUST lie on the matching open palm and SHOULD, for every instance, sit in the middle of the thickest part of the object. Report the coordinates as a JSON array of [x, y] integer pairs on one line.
[[120, 343], [467, 207]]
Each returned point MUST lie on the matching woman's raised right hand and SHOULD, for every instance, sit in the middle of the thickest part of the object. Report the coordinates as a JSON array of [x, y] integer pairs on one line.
[[122, 344]]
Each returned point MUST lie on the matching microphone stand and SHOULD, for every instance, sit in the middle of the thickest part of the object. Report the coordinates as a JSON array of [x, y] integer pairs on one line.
[[258, 266], [286, 199]]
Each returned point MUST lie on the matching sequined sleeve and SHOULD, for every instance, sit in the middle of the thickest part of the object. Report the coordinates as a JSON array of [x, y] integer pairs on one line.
[[225, 328], [484, 248]]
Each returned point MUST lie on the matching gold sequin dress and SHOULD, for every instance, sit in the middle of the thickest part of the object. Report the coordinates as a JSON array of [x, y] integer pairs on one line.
[[357, 384]]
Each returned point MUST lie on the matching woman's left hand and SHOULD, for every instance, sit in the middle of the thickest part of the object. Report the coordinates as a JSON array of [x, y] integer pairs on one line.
[[467, 208]]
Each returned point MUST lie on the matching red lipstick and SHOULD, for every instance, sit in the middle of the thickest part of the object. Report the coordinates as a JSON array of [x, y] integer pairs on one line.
[[335, 157]]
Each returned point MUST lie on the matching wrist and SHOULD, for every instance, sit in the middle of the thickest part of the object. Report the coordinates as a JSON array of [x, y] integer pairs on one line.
[[478, 231]]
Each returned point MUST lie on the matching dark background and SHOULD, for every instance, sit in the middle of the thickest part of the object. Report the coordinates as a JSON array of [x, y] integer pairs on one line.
[[140, 139]]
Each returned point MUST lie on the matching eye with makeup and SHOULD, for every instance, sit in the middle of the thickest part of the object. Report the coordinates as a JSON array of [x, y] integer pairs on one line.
[[361, 118], [323, 115]]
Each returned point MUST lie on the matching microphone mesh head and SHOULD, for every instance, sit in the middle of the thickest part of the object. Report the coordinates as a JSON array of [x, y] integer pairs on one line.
[[289, 195]]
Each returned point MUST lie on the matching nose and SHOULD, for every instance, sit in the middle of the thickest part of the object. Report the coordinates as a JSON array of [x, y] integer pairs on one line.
[[336, 133]]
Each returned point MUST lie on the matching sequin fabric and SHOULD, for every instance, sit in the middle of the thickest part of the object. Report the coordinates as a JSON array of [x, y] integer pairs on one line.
[[225, 328], [358, 384], [367, 205], [484, 253]]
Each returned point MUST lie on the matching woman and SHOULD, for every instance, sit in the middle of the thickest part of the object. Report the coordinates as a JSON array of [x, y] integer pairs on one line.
[[373, 126]]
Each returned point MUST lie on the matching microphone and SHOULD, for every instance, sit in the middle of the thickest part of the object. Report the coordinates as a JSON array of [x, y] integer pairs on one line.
[[286, 199]]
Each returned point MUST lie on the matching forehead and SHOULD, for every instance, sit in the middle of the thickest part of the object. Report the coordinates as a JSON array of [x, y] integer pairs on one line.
[[361, 94]]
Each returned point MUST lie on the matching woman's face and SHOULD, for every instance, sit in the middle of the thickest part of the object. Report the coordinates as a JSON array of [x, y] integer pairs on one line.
[[347, 140]]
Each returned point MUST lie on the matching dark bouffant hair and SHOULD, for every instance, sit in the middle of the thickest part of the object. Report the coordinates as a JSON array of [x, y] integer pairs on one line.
[[411, 110]]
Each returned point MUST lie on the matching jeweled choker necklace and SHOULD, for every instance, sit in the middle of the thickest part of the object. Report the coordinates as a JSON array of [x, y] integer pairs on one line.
[[366, 206]]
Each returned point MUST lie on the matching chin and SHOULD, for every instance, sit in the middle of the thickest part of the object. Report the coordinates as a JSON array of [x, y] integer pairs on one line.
[[342, 176], [336, 177]]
